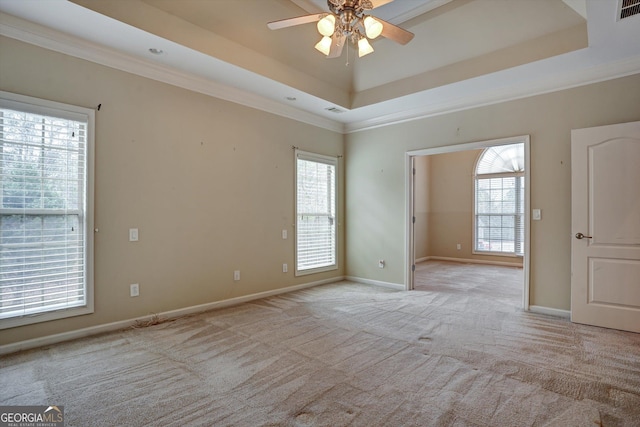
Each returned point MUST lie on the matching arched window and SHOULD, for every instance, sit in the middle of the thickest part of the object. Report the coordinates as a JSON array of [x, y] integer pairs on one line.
[[499, 200]]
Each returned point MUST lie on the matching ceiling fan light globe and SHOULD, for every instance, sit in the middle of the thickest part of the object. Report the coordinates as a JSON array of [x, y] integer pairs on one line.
[[324, 45], [372, 27], [364, 48], [327, 25]]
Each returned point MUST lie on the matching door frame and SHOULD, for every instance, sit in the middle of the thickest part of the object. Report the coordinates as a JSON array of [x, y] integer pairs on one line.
[[409, 255]]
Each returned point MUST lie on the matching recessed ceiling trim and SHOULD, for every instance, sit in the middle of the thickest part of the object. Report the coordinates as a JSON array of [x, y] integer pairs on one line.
[[579, 6], [518, 90], [47, 38], [54, 40], [488, 89]]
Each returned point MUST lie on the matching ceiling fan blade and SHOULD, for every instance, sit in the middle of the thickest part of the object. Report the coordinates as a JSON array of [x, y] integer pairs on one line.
[[290, 22], [337, 44], [395, 33]]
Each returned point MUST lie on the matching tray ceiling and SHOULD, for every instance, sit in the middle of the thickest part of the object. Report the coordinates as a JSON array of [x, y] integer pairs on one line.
[[462, 49]]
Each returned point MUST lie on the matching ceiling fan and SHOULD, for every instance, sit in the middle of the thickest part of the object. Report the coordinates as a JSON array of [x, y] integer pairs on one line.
[[347, 21]]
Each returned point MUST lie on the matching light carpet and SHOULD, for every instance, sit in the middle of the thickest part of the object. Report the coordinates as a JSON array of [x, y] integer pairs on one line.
[[456, 352]]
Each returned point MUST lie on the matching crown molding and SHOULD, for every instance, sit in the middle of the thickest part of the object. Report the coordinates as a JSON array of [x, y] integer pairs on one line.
[[57, 41], [481, 91], [513, 91]]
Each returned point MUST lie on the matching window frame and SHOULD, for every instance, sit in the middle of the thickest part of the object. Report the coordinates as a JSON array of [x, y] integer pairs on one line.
[[332, 161], [519, 176], [86, 216]]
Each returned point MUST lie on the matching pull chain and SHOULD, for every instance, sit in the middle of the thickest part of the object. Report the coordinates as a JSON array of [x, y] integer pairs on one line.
[[347, 43]]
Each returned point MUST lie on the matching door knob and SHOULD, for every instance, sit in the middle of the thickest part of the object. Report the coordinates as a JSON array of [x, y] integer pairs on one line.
[[581, 236]]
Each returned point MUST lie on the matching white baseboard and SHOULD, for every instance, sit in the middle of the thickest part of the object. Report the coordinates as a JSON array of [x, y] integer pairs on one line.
[[472, 261], [565, 314], [396, 286], [172, 314], [423, 259]]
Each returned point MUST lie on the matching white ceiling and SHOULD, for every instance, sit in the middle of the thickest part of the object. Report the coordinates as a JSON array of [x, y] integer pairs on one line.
[[465, 53]]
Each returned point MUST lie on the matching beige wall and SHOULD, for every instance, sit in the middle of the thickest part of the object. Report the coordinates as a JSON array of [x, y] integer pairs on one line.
[[209, 184], [421, 206], [376, 177], [450, 185]]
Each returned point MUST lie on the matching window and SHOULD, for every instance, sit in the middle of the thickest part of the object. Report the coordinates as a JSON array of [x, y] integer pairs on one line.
[[45, 210], [499, 201], [315, 213]]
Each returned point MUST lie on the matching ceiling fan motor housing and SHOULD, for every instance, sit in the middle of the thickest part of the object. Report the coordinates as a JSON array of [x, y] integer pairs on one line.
[[349, 14], [357, 6]]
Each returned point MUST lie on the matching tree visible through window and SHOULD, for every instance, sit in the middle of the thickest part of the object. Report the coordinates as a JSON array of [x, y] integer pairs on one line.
[[316, 234], [43, 212], [499, 200]]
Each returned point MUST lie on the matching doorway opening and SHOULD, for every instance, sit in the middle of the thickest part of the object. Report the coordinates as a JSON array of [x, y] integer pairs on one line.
[[481, 209]]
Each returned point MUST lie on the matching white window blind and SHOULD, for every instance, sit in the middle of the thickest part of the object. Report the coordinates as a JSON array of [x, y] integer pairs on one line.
[[499, 200], [43, 211], [315, 213]]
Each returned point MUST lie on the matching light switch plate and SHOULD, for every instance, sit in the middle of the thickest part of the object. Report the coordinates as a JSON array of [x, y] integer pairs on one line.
[[536, 214], [133, 234], [134, 290]]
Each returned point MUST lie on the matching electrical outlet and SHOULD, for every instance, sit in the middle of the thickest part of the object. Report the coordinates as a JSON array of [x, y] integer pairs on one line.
[[134, 290], [381, 263], [458, 246], [284, 234], [133, 234], [236, 275], [285, 268]]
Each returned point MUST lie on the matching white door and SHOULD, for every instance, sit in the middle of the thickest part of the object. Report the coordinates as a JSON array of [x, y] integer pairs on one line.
[[605, 205]]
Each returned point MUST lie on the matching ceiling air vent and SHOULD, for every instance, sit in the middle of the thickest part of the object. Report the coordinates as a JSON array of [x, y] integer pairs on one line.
[[337, 110], [629, 8]]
